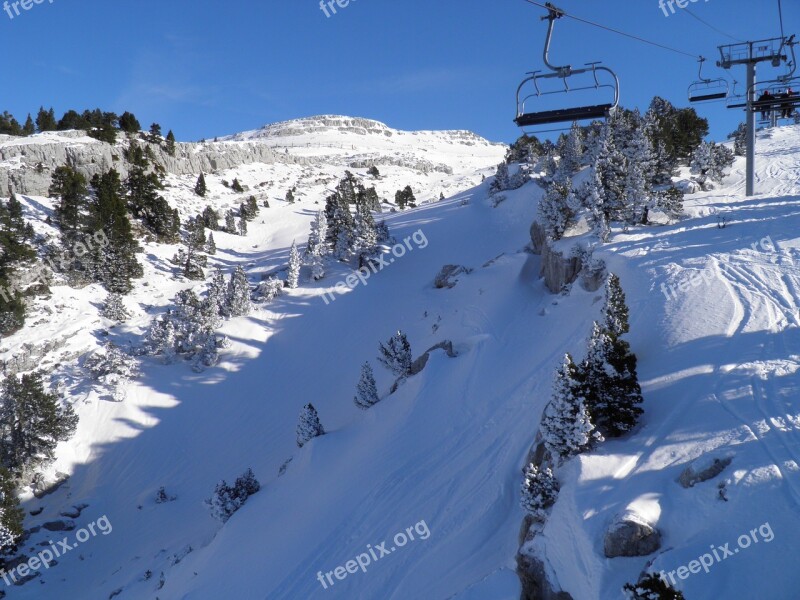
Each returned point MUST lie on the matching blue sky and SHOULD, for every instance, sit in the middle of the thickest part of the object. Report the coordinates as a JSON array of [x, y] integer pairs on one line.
[[208, 68]]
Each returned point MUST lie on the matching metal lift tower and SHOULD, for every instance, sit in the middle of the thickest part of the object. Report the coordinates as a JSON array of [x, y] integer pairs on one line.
[[750, 54]]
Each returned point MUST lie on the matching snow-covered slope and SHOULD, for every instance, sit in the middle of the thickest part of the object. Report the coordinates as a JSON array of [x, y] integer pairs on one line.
[[443, 454]]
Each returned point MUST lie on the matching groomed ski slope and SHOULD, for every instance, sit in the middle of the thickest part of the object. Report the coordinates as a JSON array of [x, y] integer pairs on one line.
[[717, 365]]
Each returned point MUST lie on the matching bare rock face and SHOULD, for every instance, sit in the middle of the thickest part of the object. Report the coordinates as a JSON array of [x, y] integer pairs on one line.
[[538, 237], [704, 468], [535, 585], [446, 278], [631, 535]]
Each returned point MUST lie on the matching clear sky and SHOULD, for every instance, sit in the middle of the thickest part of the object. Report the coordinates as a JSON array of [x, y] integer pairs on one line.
[[208, 68]]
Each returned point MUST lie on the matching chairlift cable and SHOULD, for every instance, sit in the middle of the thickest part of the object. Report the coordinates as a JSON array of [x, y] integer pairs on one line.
[[617, 31], [709, 25], [780, 16]]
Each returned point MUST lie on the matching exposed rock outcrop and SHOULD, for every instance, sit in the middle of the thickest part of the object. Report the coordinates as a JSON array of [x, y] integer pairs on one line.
[[446, 278], [631, 535], [704, 468], [559, 269]]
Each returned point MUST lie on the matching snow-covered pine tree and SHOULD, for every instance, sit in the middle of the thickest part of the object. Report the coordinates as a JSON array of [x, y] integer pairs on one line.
[[217, 292], [366, 236], [114, 368], [572, 152], [396, 355], [269, 289], [293, 272], [366, 392], [208, 356], [7, 539], [308, 426], [242, 228], [670, 202], [200, 187], [538, 492], [237, 300], [611, 385], [211, 246], [318, 237], [114, 309], [556, 212], [611, 170], [502, 180], [566, 426], [651, 587], [638, 189], [227, 499], [739, 138], [230, 222], [193, 267], [709, 163], [615, 310]]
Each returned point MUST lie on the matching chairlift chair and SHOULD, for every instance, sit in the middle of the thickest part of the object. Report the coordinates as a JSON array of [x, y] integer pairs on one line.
[[566, 73], [705, 90]]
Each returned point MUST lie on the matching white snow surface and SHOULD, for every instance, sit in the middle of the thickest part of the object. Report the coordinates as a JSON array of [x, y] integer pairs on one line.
[[717, 363]]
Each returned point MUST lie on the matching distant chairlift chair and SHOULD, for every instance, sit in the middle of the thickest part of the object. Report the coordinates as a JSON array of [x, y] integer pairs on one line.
[[706, 90], [565, 115]]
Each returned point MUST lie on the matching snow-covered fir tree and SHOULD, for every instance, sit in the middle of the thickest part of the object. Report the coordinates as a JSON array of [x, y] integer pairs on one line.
[[211, 246], [539, 491], [651, 587], [230, 222], [502, 180], [365, 234], [572, 151], [611, 172], [237, 299], [208, 356], [709, 163], [217, 292], [566, 426], [396, 355], [611, 389], [308, 425], [227, 499], [615, 310], [269, 289], [293, 272], [367, 391], [113, 367], [114, 309], [556, 210], [739, 138], [242, 227]]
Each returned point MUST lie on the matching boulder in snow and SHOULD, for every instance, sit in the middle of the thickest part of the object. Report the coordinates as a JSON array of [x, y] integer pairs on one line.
[[447, 276], [631, 535], [706, 467]]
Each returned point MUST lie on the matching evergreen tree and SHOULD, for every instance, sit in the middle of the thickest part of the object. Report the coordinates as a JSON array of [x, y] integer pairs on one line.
[[367, 391], [396, 355], [155, 133], [193, 266], [317, 247], [293, 274], [71, 187], [405, 198], [129, 123], [146, 204], [236, 186], [210, 218], [611, 389], [539, 491], [211, 246], [11, 513], [237, 299], [670, 202], [308, 426], [572, 154], [252, 207], [200, 187], [170, 145], [710, 161], [566, 426], [611, 170], [230, 222], [46, 120], [739, 138], [114, 309], [290, 197], [115, 264], [242, 228], [226, 499], [615, 310], [502, 180], [651, 587], [32, 423], [374, 172], [29, 128], [556, 211], [365, 236]]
